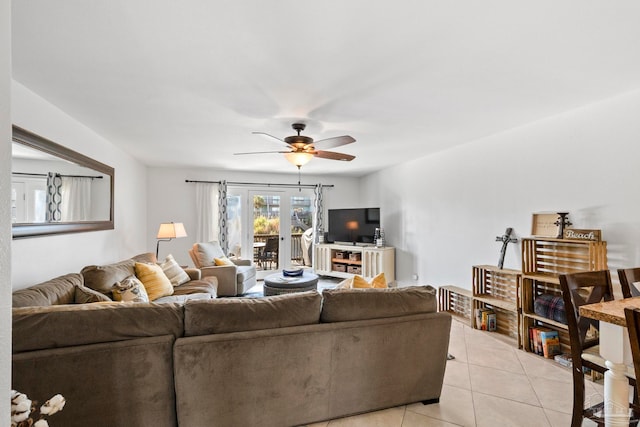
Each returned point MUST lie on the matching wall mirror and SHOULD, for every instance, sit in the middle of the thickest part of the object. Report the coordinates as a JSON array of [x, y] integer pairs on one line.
[[56, 190]]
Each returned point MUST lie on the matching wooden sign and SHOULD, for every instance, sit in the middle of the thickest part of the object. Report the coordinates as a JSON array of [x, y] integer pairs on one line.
[[575, 234], [543, 225]]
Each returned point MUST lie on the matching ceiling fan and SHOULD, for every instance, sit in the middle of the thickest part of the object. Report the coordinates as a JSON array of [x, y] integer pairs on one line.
[[303, 148]]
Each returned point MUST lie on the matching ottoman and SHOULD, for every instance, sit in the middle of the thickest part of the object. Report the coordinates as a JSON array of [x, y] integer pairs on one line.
[[276, 284]]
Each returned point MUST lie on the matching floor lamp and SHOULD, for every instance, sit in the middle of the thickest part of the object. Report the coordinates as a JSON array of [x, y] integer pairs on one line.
[[169, 231]]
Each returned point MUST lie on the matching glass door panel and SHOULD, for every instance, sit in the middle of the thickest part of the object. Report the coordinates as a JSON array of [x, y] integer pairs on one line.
[[301, 214], [266, 231]]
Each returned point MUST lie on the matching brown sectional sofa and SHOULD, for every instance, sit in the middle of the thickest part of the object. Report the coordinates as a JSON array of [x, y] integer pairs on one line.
[[277, 361], [93, 280]]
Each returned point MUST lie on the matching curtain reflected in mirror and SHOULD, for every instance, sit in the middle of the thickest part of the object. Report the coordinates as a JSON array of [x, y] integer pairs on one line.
[[56, 190]]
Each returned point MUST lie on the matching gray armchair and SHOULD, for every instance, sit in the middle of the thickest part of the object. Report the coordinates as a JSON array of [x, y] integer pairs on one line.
[[233, 279]]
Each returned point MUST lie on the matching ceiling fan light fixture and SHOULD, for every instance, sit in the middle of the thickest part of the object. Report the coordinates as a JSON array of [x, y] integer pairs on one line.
[[298, 158]]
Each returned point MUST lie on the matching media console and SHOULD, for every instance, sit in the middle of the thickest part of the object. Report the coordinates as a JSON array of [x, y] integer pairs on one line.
[[343, 261]]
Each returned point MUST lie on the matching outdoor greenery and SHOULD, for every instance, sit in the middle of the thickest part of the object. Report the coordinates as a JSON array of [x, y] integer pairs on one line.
[[266, 219], [264, 225]]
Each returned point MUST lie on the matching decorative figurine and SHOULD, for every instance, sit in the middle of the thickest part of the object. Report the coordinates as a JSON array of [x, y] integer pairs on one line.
[[505, 239]]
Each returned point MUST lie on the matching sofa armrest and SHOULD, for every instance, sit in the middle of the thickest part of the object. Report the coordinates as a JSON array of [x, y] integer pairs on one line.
[[240, 261], [227, 278], [219, 271], [194, 273]]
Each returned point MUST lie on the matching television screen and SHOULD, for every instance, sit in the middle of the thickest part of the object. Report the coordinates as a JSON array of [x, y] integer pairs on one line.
[[353, 225]]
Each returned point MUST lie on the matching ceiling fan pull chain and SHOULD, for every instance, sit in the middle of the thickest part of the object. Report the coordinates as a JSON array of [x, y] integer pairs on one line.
[[299, 187]]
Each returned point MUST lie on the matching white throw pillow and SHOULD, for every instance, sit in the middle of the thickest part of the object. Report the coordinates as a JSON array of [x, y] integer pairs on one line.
[[130, 289], [176, 275]]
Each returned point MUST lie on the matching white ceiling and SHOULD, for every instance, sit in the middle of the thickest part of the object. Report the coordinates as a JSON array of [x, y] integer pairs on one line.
[[184, 83]]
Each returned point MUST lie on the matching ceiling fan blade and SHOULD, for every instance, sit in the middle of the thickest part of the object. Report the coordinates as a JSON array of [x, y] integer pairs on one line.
[[262, 152], [271, 137], [336, 141], [332, 155]]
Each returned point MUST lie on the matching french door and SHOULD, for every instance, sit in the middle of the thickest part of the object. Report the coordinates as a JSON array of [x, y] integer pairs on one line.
[[276, 233]]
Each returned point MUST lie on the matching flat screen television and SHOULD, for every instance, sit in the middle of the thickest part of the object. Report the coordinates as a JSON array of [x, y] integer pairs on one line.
[[353, 225]]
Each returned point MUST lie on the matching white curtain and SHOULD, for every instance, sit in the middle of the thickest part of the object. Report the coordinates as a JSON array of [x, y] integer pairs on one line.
[[76, 199], [207, 212]]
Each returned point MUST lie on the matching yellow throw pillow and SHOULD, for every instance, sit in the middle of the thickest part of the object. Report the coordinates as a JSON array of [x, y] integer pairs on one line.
[[223, 261], [359, 282], [377, 282], [156, 283]]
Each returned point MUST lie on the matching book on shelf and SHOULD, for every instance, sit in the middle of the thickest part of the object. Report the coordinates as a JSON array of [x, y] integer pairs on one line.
[[491, 322], [536, 339], [550, 343], [482, 317]]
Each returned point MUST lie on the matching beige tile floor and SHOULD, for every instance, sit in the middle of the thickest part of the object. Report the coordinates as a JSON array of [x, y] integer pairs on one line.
[[489, 383]]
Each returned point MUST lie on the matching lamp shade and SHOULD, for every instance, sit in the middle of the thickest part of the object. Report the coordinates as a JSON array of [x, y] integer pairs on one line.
[[171, 230], [298, 158]]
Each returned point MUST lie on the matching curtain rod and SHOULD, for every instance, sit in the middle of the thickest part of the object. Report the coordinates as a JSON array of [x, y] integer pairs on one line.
[[262, 184], [44, 174]]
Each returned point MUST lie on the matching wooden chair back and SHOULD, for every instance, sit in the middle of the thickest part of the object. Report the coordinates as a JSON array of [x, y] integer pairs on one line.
[[580, 289], [628, 276], [633, 327]]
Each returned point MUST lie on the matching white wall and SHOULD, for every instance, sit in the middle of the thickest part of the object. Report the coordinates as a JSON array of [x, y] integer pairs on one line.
[[170, 198], [42, 258], [5, 214], [443, 212]]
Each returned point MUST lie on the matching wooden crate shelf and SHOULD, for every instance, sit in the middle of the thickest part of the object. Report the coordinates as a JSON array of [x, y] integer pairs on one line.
[[507, 321], [457, 302], [499, 290], [560, 256], [543, 260], [498, 287], [511, 293]]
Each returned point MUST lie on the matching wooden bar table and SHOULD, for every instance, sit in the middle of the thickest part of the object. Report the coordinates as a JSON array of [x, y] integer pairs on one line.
[[616, 350]]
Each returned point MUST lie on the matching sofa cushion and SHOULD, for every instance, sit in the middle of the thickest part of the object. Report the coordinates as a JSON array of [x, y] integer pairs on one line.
[[341, 305], [38, 328], [206, 252], [130, 289], [60, 290], [206, 285], [182, 299], [84, 295], [204, 289], [177, 276], [249, 314], [154, 280], [101, 278]]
